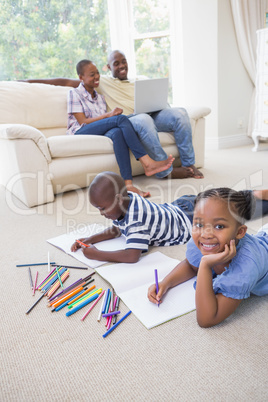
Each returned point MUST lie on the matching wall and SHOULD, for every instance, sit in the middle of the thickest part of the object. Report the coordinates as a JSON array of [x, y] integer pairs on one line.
[[213, 71]]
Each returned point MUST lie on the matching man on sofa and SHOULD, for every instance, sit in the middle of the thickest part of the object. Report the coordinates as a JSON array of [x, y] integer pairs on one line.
[[119, 91]]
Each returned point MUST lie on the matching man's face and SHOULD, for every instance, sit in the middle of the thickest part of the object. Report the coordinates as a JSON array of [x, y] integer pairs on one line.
[[118, 66]]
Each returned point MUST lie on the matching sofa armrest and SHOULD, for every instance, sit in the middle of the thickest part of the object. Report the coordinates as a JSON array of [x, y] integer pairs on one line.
[[197, 112], [23, 132]]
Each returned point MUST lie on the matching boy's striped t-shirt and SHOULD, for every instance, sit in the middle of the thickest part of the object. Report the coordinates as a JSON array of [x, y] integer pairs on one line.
[[148, 224]]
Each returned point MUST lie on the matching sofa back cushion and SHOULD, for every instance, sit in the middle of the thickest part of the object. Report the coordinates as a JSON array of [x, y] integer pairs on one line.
[[39, 105]]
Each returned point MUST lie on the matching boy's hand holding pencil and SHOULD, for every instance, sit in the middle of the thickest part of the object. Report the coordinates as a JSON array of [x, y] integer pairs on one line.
[[81, 243]]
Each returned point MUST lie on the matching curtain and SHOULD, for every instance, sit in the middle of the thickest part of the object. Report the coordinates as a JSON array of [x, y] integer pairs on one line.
[[249, 16]]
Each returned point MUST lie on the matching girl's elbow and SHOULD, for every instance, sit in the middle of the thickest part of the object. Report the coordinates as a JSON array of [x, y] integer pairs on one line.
[[204, 322]]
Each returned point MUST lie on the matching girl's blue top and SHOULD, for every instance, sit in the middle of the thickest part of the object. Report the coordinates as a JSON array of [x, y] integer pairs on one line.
[[247, 272]]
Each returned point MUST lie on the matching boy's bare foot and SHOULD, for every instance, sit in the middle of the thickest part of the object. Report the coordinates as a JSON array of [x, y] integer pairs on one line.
[[134, 189], [152, 167], [261, 194]]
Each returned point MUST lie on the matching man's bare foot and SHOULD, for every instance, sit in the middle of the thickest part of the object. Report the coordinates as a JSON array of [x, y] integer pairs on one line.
[[181, 173], [261, 194], [134, 189], [197, 173], [152, 167]]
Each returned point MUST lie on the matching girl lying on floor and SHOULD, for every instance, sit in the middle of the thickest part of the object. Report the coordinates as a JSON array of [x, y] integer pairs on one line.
[[230, 264]]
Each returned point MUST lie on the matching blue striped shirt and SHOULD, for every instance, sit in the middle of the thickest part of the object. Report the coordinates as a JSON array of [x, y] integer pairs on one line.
[[148, 224], [81, 101]]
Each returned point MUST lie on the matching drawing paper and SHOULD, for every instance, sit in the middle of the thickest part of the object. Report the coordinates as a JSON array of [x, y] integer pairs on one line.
[[131, 282], [65, 241]]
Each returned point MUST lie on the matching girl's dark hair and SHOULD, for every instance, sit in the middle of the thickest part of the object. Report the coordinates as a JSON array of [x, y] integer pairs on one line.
[[241, 203], [80, 66]]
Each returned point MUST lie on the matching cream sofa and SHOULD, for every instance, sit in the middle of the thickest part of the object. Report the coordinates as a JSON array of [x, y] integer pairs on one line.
[[38, 159]]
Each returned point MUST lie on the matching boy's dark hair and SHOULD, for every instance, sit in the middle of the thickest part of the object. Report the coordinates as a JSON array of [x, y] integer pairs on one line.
[[80, 66], [242, 203]]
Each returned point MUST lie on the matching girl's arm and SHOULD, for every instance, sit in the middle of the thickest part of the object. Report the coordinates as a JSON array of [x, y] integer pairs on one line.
[[82, 119], [107, 234], [181, 273], [212, 309]]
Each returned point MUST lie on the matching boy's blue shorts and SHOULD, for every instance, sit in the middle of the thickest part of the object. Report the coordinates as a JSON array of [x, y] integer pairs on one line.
[[186, 204]]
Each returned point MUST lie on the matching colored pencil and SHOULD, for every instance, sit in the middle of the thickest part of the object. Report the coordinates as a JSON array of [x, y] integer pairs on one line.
[[52, 280], [156, 283], [79, 281], [94, 304], [87, 301], [57, 270], [31, 279], [51, 273], [83, 294], [102, 306], [105, 301], [82, 299], [111, 314], [35, 283], [115, 325], [33, 265], [82, 244], [111, 317], [116, 308], [37, 301], [65, 303], [67, 297], [56, 285], [69, 266]]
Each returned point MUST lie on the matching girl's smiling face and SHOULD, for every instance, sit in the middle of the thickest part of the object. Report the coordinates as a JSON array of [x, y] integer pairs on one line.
[[214, 225]]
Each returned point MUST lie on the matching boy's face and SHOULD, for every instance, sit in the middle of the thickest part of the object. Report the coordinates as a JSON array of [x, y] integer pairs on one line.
[[111, 209], [118, 66]]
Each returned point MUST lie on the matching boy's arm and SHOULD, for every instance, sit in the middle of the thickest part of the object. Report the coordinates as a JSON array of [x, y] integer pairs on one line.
[[107, 234], [130, 255], [181, 273]]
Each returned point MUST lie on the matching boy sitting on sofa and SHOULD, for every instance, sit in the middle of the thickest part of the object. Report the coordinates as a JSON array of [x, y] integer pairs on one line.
[[143, 222]]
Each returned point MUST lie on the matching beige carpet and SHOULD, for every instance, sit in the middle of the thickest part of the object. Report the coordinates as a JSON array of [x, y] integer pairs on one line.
[[48, 357]]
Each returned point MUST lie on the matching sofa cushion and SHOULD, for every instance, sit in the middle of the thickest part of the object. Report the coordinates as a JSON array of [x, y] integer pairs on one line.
[[37, 105], [77, 145]]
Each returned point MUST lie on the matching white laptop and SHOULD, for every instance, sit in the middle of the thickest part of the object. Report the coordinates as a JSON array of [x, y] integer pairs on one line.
[[151, 95]]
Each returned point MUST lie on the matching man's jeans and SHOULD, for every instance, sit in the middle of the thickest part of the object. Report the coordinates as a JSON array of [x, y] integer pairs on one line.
[[174, 120]]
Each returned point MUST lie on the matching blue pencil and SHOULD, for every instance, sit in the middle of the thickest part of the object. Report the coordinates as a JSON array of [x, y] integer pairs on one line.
[[75, 309], [32, 265], [115, 325]]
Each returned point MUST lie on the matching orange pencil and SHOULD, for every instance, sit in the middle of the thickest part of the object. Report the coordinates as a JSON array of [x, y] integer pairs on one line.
[[66, 292], [66, 297], [82, 294]]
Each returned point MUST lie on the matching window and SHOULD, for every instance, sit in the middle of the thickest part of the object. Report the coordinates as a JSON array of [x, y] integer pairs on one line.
[[149, 33], [46, 38]]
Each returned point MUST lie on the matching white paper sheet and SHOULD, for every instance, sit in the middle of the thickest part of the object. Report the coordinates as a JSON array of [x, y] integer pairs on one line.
[[65, 241], [131, 282]]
